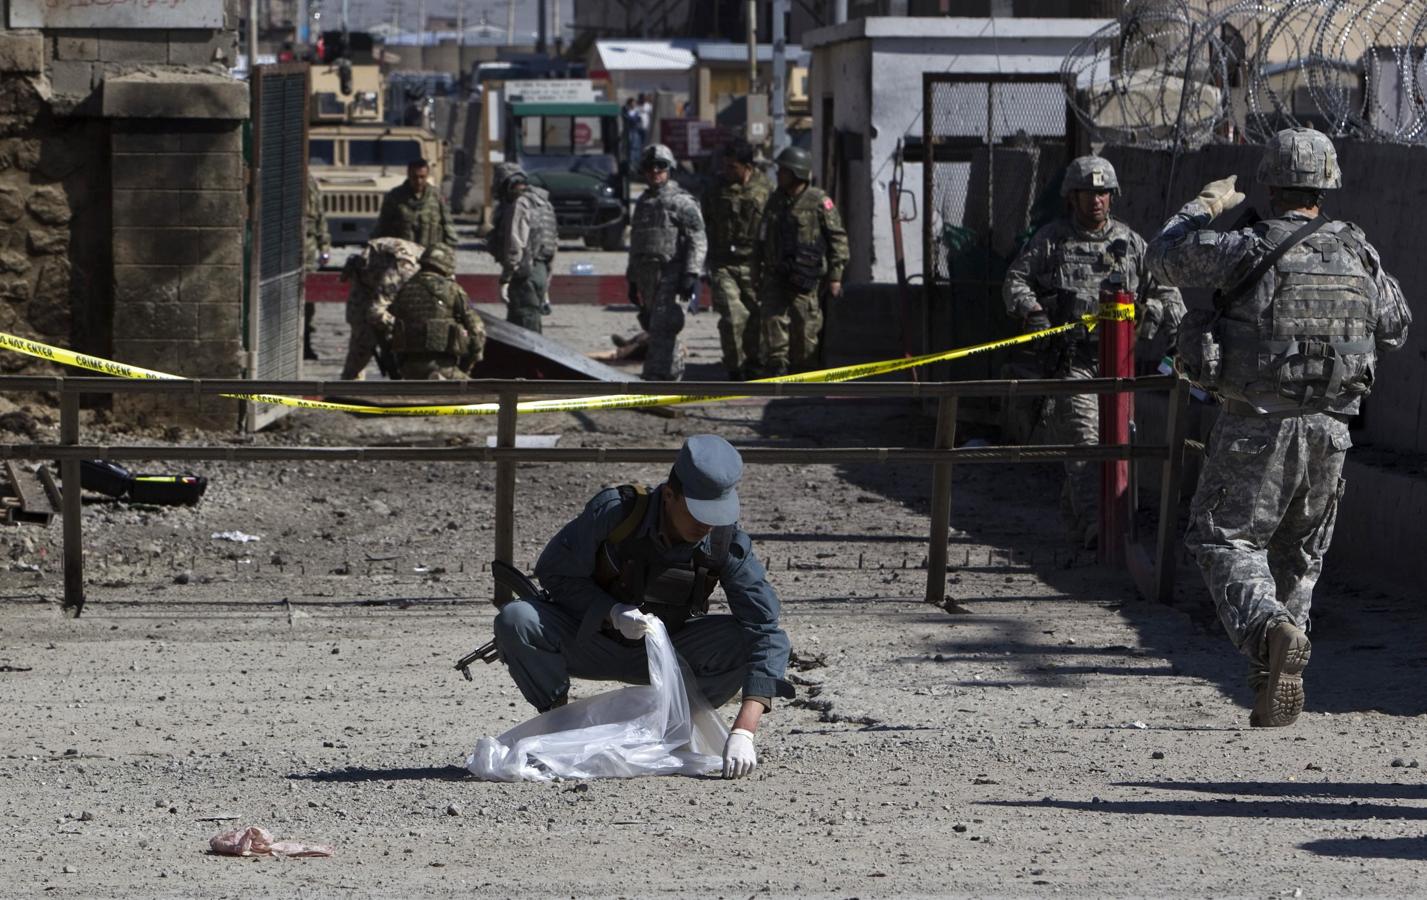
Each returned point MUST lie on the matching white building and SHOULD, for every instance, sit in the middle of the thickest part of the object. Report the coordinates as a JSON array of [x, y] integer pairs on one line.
[[645, 67], [865, 91]]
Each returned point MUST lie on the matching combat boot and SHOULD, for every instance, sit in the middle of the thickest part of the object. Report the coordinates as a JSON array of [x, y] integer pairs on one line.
[[1279, 700]]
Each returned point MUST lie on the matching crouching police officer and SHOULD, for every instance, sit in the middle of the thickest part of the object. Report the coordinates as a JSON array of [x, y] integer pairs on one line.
[[432, 330], [1302, 310], [660, 551], [801, 247]]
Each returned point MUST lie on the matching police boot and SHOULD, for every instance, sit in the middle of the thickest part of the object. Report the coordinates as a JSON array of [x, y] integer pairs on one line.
[[1280, 699]]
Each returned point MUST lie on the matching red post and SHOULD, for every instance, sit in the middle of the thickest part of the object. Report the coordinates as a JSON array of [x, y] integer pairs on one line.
[[1117, 360]]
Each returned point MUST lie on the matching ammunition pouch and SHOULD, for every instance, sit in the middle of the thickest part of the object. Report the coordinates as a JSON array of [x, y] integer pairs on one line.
[[441, 336]]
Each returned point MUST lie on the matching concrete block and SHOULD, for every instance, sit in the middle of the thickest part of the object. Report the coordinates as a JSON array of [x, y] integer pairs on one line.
[[210, 137], [154, 208], [77, 48], [202, 48], [174, 321], [139, 46], [138, 140], [213, 286], [175, 95], [145, 284], [185, 171], [221, 321], [72, 77], [212, 208], [178, 246], [22, 51]]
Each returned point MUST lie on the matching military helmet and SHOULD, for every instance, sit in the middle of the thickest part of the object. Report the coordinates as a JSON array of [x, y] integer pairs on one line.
[[439, 259], [656, 152], [506, 174], [1300, 158], [797, 161], [1089, 173]]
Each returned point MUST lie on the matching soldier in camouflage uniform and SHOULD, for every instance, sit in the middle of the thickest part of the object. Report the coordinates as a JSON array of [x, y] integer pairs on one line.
[[801, 247], [430, 325], [1057, 278], [317, 249], [666, 254], [415, 211], [1304, 309], [526, 238], [374, 277], [732, 210]]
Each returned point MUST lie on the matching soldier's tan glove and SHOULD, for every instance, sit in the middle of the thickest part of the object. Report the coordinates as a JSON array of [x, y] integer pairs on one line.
[[1221, 196]]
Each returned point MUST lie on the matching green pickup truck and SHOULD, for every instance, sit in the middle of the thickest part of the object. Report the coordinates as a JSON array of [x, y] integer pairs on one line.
[[573, 151]]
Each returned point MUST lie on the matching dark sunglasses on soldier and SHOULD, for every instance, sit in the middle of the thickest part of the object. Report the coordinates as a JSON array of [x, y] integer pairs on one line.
[[657, 165]]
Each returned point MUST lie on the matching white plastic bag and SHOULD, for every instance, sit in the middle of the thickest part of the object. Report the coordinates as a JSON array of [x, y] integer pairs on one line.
[[659, 729]]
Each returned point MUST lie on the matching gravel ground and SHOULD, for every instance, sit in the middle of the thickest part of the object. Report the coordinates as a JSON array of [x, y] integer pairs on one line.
[[1064, 738]]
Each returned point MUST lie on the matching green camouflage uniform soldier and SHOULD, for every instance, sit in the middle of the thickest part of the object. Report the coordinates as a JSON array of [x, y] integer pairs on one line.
[[374, 277], [1057, 278], [667, 247], [1304, 308], [732, 210], [432, 330], [801, 246], [316, 250], [526, 239], [414, 211]]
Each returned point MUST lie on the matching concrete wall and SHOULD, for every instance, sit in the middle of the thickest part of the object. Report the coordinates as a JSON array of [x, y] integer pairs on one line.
[[1382, 525], [122, 193], [842, 74]]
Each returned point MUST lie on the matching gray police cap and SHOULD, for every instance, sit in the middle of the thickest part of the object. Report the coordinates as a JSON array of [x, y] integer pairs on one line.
[[709, 468]]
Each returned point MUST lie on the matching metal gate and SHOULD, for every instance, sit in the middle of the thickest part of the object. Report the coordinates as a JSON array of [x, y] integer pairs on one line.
[[993, 146], [274, 308]]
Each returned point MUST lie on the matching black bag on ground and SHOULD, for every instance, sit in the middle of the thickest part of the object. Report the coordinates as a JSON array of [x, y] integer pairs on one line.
[[104, 477], [168, 490]]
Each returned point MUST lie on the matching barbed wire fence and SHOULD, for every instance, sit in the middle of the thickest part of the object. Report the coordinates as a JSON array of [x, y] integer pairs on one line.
[[1179, 73]]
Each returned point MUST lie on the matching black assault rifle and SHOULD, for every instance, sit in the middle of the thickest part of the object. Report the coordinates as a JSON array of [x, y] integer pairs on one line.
[[521, 587]]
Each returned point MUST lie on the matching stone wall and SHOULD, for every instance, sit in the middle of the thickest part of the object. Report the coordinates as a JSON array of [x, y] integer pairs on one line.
[[122, 202]]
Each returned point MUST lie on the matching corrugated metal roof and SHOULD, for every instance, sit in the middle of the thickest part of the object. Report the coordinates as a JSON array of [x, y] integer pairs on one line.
[[627, 56]]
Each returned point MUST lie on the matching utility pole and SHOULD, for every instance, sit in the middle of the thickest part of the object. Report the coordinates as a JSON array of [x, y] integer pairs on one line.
[[541, 36], [510, 22], [780, 77], [752, 46]]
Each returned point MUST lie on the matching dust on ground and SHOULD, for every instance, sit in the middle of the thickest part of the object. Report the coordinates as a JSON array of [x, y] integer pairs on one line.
[[1065, 738]]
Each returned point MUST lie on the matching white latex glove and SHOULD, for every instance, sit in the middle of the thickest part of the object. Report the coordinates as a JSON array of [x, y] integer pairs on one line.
[[631, 623], [505, 292], [738, 756], [1220, 196]]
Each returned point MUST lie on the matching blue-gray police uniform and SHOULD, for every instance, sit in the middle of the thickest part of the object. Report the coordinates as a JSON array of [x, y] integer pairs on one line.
[[544, 643]]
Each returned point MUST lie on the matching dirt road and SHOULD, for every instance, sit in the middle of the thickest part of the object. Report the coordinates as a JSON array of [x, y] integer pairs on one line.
[[1064, 738]]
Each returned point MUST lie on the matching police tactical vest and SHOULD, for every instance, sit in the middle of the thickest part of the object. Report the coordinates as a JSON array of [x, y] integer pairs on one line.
[[654, 233], [632, 568], [1311, 340], [424, 323]]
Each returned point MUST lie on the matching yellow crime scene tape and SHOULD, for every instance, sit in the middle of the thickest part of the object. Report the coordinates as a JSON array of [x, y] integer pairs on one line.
[[1117, 311]]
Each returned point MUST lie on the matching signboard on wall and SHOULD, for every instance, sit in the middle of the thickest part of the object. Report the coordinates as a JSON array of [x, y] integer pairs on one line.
[[551, 90], [91, 14]]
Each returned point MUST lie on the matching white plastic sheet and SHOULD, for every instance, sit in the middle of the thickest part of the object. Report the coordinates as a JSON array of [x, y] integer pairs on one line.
[[659, 729]]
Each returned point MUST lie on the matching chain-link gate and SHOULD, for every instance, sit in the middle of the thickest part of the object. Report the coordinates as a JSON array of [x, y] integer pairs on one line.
[[994, 147], [273, 312]]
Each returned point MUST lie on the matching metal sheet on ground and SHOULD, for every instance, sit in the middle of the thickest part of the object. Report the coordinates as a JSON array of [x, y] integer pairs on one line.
[[514, 352]]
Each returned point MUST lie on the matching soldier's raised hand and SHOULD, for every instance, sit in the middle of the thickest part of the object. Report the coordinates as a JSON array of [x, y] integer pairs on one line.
[[1221, 196]]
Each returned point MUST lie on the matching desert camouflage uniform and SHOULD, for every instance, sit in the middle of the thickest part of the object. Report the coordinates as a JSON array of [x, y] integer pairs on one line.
[[424, 220], [732, 211], [666, 243], [434, 333], [374, 276], [801, 246], [1063, 269], [1263, 514]]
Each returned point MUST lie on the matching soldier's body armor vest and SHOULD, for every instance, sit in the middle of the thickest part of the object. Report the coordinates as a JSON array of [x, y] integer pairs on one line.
[[424, 324], [544, 227], [1311, 340], [632, 568], [654, 235]]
